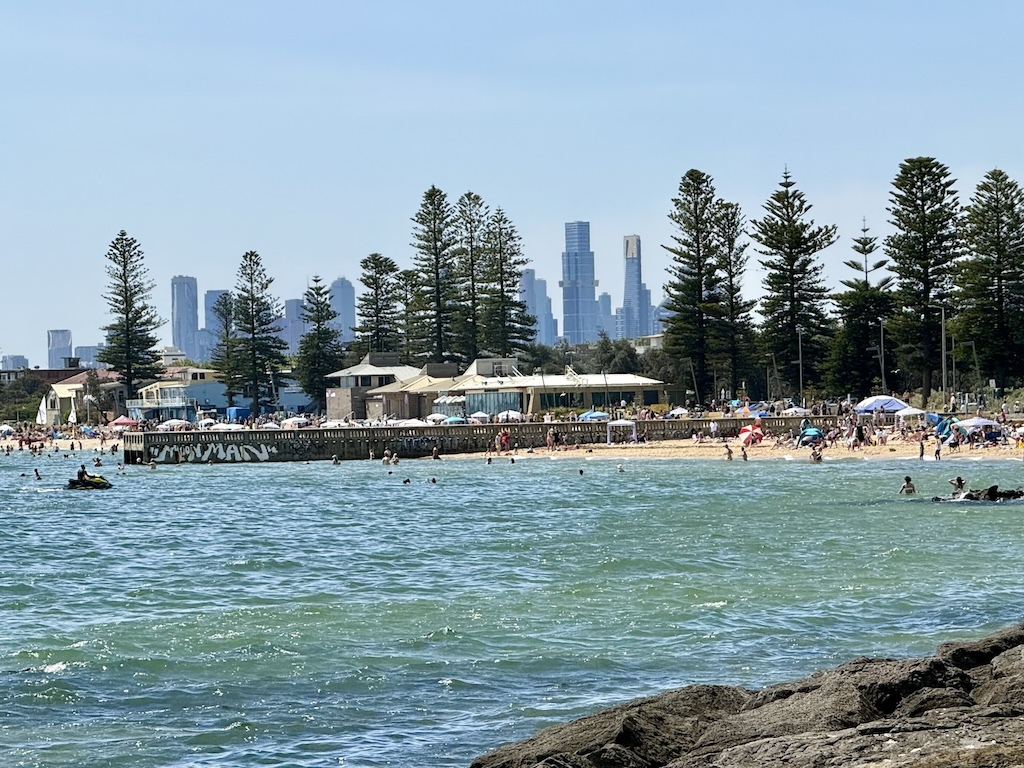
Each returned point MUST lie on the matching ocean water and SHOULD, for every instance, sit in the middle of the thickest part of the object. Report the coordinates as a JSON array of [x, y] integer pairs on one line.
[[318, 615]]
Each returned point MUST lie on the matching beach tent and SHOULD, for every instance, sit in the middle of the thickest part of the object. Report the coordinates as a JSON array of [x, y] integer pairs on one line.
[[453, 420], [480, 416], [206, 423], [975, 422], [333, 424], [124, 421], [411, 423], [6, 429], [795, 411], [294, 422], [677, 412], [882, 403], [269, 425], [437, 417], [509, 416], [593, 415], [227, 427], [810, 436], [621, 423]]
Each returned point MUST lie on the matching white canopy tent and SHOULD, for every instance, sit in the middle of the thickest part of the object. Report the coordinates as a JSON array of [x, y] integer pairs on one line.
[[622, 423]]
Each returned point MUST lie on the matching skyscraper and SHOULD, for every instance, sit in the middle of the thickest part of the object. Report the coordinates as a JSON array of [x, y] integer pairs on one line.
[[533, 292], [343, 301], [636, 299], [292, 325], [579, 305], [210, 321], [184, 314], [58, 347], [13, 362], [605, 316]]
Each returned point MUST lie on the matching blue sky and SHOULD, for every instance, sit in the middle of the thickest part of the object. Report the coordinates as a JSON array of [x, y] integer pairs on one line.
[[309, 130]]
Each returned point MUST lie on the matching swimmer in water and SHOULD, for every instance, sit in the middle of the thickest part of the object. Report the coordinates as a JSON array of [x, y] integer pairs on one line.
[[958, 486], [908, 488]]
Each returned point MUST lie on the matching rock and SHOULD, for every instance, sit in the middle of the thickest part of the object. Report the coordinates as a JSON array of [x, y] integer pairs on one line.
[[962, 707]]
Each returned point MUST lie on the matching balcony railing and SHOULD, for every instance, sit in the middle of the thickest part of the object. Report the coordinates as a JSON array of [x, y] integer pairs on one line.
[[163, 402]]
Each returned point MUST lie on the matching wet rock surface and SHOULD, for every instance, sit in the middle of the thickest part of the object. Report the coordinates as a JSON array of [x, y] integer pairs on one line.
[[964, 706]]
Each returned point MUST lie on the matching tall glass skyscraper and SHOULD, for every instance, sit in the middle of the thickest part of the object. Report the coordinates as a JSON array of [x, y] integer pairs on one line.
[[636, 299], [58, 346], [343, 301], [185, 314], [579, 304], [210, 321]]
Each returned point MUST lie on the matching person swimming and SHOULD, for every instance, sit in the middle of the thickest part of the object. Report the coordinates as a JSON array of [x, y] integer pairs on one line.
[[908, 488]]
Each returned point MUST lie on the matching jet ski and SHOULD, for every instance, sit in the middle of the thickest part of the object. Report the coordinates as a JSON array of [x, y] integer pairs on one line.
[[90, 483]]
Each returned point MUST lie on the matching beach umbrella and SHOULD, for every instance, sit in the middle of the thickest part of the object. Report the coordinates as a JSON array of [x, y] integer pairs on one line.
[[206, 423], [6, 429], [795, 411], [909, 411], [437, 417], [172, 423], [594, 416], [680, 411], [455, 420], [295, 422], [509, 416], [124, 421], [480, 415], [412, 423], [751, 434], [269, 425], [227, 427]]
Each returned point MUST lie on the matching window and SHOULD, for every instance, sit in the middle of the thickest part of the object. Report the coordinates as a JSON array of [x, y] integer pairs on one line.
[[365, 381]]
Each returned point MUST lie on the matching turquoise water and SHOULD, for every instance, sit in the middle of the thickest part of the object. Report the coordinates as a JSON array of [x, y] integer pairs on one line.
[[314, 615]]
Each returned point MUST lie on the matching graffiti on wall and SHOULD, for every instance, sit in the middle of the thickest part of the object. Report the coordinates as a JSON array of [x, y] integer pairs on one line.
[[212, 452]]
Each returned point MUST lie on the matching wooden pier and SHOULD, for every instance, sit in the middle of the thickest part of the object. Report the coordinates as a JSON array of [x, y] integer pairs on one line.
[[264, 445]]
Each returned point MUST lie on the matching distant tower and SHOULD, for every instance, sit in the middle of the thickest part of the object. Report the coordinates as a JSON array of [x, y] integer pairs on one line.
[[210, 321], [58, 347], [579, 305], [343, 301], [636, 299], [533, 292], [292, 325], [605, 316], [13, 362], [184, 314]]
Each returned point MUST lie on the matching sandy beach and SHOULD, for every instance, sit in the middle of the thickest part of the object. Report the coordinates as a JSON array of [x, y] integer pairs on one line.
[[682, 449]]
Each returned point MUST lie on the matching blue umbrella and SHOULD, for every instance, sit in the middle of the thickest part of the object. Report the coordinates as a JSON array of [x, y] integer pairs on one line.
[[455, 420]]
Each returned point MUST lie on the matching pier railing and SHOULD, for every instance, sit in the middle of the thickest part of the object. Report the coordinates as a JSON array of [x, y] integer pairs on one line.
[[261, 445]]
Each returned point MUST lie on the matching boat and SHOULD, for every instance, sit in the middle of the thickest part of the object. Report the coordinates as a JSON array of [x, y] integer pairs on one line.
[[90, 483]]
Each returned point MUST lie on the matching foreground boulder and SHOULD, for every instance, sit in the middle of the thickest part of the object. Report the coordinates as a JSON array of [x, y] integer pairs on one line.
[[962, 708]]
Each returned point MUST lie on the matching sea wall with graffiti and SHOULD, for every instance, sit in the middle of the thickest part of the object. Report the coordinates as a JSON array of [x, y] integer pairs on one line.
[[258, 446]]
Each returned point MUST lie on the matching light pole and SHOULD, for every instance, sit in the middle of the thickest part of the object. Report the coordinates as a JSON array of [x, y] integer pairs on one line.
[[800, 360], [942, 308]]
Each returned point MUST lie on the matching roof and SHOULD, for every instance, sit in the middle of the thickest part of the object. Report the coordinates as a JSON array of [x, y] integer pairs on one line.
[[559, 382], [421, 384], [400, 372]]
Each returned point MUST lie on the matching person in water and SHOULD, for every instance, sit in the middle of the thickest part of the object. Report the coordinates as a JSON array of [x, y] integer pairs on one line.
[[958, 486], [908, 487]]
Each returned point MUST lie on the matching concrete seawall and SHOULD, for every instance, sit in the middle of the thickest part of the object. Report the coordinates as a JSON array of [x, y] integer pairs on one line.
[[259, 445]]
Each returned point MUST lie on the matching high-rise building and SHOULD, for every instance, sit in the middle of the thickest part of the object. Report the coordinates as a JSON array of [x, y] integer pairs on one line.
[[605, 316], [184, 314], [210, 321], [13, 362], [579, 305], [636, 299], [58, 348], [292, 325], [88, 356], [533, 292], [343, 301]]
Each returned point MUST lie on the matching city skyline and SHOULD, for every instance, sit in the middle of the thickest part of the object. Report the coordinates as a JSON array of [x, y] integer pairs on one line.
[[543, 116]]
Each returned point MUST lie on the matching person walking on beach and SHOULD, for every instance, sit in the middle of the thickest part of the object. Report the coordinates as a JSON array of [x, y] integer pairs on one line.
[[908, 487], [938, 448], [728, 453]]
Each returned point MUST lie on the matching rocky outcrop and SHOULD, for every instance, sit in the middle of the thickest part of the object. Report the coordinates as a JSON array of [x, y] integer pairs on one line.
[[963, 707]]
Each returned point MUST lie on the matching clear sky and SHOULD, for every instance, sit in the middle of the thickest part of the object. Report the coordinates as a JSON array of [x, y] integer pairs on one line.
[[309, 131]]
